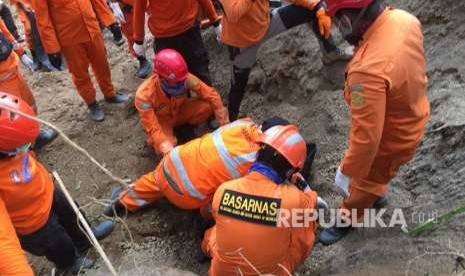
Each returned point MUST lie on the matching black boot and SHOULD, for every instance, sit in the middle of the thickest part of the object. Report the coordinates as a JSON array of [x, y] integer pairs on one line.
[[145, 67], [237, 90], [311, 152], [46, 136], [334, 234]]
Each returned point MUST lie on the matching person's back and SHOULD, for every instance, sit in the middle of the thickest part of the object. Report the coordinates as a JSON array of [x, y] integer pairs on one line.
[[207, 162], [254, 203]]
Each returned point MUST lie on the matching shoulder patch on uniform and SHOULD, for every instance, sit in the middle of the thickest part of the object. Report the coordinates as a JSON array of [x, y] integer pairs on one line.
[[356, 99], [251, 208]]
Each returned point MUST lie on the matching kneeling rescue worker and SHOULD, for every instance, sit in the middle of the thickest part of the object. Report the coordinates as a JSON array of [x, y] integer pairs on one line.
[[166, 106], [385, 88], [34, 215], [190, 174], [247, 212]]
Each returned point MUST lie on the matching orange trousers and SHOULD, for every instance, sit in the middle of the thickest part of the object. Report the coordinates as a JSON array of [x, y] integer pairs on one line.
[[17, 86], [365, 191], [153, 186], [128, 30], [78, 57], [193, 111], [222, 268]]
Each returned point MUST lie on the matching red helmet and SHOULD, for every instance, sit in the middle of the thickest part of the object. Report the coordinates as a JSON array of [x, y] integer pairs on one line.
[[16, 130], [336, 5], [170, 66], [288, 142]]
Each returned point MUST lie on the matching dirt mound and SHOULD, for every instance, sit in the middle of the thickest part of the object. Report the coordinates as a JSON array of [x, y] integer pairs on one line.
[[289, 80]]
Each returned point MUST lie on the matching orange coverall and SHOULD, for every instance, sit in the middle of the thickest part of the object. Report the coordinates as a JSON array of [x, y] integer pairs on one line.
[[26, 194], [169, 17], [386, 90], [11, 78], [71, 27], [160, 113], [103, 12], [127, 6], [189, 175], [246, 22], [261, 240]]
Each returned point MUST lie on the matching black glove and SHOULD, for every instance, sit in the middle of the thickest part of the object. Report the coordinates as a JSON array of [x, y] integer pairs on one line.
[[55, 60], [115, 29], [302, 184]]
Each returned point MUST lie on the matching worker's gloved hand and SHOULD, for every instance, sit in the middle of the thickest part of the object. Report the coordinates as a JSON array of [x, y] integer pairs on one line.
[[55, 60], [138, 48], [28, 62], [222, 117], [218, 28], [117, 12], [166, 147], [341, 183], [324, 20]]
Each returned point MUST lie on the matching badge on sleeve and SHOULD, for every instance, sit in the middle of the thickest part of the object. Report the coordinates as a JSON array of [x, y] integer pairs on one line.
[[356, 95]]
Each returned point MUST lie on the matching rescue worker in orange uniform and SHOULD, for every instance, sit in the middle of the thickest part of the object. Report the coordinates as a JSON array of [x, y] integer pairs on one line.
[[190, 174], [34, 215], [247, 24], [71, 27], [247, 212], [7, 17], [164, 102], [124, 13], [12, 80], [175, 25], [386, 90]]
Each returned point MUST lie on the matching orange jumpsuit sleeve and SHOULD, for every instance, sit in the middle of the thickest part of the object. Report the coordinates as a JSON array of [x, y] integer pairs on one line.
[[209, 9], [302, 238], [12, 258], [235, 9], [309, 4], [207, 93], [17, 47], [151, 125], [366, 94], [45, 26], [139, 19], [103, 12]]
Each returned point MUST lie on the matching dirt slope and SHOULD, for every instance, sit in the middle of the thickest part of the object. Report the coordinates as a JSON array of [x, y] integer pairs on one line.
[[289, 80]]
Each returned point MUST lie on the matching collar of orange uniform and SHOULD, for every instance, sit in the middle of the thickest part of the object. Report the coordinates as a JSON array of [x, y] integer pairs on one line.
[[378, 22]]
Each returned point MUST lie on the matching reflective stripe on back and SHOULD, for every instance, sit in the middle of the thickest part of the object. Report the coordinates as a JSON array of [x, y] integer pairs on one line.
[[231, 163], [174, 154]]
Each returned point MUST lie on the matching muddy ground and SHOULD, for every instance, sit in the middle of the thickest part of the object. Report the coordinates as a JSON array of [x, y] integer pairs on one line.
[[289, 80]]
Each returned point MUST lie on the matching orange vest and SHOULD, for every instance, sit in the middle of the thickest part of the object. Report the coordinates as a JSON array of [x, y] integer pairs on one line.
[[386, 90], [27, 191], [9, 67], [246, 212], [197, 168]]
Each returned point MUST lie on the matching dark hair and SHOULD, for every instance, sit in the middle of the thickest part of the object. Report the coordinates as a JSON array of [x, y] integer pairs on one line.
[[273, 159]]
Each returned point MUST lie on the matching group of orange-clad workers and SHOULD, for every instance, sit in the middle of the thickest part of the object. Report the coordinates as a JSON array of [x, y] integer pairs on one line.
[[242, 175]]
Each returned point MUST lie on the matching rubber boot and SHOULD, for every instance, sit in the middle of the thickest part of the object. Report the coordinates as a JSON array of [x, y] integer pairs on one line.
[[96, 112], [307, 169], [35, 58], [145, 67], [381, 202], [334, 234], [237, 91], [46, 136], [119, 97]]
